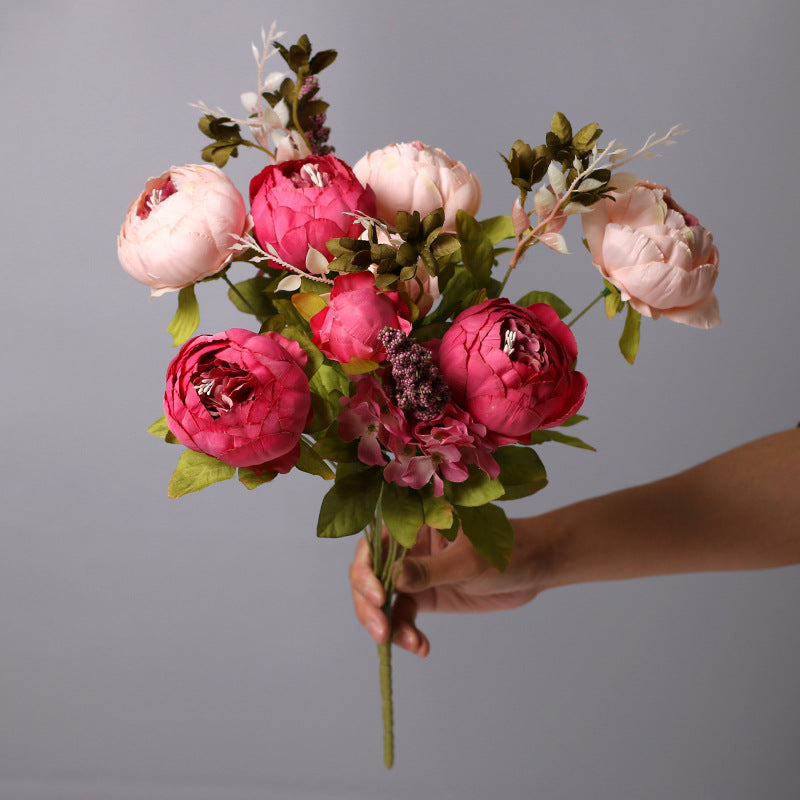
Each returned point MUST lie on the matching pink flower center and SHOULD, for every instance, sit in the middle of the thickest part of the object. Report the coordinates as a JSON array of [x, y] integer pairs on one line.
[[308, 176], [220, 386], [158, 194], [520, 343]]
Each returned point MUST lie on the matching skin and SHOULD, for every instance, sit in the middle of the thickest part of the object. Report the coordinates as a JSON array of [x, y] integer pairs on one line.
[[737, 511]]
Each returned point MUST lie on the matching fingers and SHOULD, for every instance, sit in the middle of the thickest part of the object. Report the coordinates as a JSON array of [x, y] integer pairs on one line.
[[368, 594], [368, 599], [457, 563]]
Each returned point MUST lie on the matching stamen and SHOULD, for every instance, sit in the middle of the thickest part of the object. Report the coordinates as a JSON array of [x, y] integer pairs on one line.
[[205, 387], [153, 199], [311, 171], [508, 347]]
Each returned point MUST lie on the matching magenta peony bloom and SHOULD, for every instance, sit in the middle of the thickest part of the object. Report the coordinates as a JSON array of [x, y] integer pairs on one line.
[[414, 177], [304, 203], [659, 256], [511, 367], [180, 229], [240, 397], [349, 326]]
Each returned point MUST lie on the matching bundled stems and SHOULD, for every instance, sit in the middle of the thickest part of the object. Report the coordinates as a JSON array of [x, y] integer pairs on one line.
[[386, 566]]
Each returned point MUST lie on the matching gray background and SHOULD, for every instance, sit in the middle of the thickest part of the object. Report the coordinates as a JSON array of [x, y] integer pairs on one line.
[[205, 648]]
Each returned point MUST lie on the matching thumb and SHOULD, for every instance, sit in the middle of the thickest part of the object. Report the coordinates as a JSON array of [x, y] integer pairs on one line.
[[457, 562]]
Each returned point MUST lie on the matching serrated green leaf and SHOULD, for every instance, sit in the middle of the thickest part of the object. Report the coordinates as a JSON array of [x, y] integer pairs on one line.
[[557, 304], [311, 462], [402, 512], [196, 471], [521, 471], [539, 437], [252, 480], [476, 490], [187, 317], [629, 341], [490, 533], [349, 506]]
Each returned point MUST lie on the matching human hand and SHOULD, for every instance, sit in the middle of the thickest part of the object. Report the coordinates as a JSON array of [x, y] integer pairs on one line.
[[438, 575]]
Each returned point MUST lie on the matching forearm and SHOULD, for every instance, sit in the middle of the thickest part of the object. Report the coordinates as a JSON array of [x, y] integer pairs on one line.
[[740, 510]]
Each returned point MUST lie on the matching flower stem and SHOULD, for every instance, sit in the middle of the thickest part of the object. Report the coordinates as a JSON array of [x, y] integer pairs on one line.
[[596, 300], [385, 565]]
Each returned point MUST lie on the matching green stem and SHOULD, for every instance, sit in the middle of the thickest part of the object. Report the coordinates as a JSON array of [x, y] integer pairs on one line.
[[240, 296], [505, 280], [596, 300]]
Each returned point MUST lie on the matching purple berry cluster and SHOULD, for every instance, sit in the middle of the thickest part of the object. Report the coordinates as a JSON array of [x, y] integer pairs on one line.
[[319, 133], [417, 386]]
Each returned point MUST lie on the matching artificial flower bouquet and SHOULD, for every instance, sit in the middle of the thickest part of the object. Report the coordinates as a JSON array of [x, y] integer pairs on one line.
[[382, 353]]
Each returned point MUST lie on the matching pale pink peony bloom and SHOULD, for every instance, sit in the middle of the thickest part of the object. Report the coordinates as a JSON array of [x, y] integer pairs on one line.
[[413, 177], [181, 228], [659, 256]]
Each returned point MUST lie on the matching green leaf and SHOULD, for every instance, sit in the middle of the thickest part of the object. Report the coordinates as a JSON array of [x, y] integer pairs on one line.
[[161, 429], [186, 318], [330, 383], [438, 510], [252, 297], [402, 512], [561, 127], [349, 506], [333, 448], [252, 480], [315, 356], [490, 532], [557, 304], [497, 229], [477, 252], [629, 341], [538, 437], [613, 301], [574, 420], [521, 471], [583, 140], [196, 471], [311, 462], [476, 490]]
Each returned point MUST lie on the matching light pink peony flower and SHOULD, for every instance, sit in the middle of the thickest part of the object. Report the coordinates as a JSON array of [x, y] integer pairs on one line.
[[240, 397], [357, 312], [180, 229], [512, 368], [659, 256], [304, 203], [413, 177]]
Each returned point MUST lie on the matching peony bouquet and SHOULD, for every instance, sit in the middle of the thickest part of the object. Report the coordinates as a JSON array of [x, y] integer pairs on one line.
[[382, 353]]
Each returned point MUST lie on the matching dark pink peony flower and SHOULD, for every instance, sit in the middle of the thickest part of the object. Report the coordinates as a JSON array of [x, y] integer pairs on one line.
[[240, 397], [304, 203], [349, 326], [511, 367]]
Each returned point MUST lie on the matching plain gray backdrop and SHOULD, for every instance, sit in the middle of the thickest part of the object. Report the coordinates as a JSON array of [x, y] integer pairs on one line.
[[205, 648]]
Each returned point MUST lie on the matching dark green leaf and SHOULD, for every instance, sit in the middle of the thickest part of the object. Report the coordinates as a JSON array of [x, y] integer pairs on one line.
[[349, 506], [557, 304], [561, 127], [490, 532], [250, 297], [477, 252], [521, 471], [311, 462], [252, 480], [574, 420], [476, 490], [538, 437], [402, 512]]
